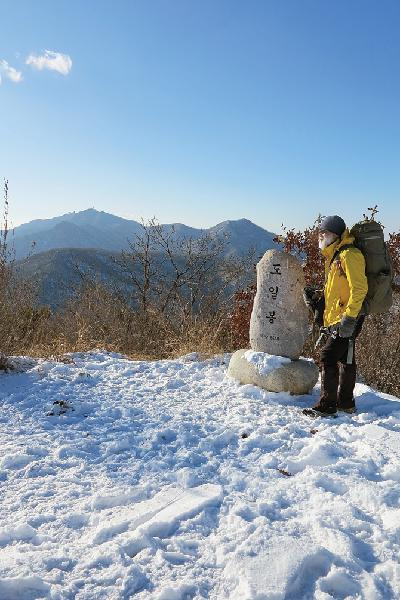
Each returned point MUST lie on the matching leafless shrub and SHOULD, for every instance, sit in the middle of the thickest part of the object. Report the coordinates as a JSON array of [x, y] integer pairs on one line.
[[378, 350], [180, 293], [93, 318], [21, 321], [98, 317], [179, 276], [178, 301]]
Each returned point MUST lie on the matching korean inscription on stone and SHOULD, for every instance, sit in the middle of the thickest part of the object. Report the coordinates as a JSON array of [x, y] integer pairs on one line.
[[279, 321]]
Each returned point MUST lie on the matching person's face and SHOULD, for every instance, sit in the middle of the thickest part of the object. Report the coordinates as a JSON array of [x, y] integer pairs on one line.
[[326, 238]]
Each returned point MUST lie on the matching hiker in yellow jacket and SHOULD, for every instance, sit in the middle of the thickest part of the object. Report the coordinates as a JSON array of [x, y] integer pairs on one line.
[[345, 289]]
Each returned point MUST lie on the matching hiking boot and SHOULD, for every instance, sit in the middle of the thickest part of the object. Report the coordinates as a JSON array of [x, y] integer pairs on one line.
[[349, 409], [315, 414], [324, 408]]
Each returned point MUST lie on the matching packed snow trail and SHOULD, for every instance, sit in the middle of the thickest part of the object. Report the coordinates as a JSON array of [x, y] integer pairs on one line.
[[169, 481]]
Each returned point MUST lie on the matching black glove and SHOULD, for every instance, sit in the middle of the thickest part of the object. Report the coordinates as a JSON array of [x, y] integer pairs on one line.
[[309, 295], [347, 326], [315, 300]]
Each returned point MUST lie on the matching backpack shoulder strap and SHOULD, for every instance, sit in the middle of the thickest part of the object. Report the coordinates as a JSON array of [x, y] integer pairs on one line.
[[339, 251]]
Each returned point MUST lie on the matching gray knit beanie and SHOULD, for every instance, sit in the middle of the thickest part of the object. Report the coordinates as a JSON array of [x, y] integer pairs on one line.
[[333, 224]]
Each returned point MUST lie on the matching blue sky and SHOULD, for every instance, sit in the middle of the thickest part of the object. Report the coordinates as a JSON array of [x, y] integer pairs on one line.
[[201, 111]]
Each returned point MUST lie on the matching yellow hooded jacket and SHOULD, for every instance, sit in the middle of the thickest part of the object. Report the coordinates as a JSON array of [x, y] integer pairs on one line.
[[345, 281]]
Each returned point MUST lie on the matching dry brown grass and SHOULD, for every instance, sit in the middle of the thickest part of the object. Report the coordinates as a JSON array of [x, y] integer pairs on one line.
[[98, 318], [21, 322], [103, 319]]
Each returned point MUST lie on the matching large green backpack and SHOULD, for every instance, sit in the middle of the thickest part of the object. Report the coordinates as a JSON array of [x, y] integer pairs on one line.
[[369, 238]]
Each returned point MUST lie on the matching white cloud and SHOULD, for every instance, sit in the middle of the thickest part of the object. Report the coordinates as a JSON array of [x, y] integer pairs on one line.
[[9, 72], [54, 61]]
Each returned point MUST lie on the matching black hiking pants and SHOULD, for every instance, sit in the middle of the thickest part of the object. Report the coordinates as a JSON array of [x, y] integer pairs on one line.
[[337, 377]]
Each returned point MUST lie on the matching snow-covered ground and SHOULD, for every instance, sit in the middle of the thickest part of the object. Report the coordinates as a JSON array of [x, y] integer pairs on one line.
[[169, 481]]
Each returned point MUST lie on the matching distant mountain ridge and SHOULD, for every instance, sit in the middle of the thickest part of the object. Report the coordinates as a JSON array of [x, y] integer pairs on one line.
[[89, 241], [100, 230]]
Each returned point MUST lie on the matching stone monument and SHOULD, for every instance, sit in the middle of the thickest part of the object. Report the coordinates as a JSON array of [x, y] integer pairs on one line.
[[278, 329]]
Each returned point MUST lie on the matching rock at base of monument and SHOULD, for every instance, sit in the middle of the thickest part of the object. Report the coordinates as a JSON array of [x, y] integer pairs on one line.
[[296, 377]]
